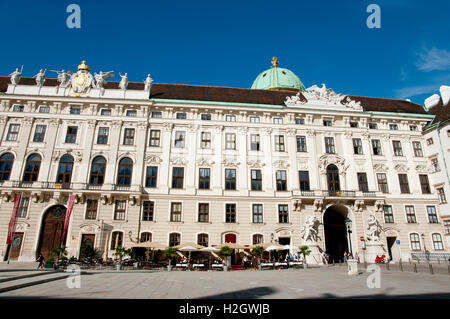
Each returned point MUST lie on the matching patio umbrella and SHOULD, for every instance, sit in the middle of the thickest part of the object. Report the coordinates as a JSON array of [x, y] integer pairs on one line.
[[188, 247], [149, 244], [210, 250], [273, 247], [231, 245], [263, 245]]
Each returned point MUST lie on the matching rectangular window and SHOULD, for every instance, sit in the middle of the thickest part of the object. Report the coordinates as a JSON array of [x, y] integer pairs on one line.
[[18, 108], [206, 140], [148, 208], [327, 122], [413, 128], [424, 184], [119, 210], [281, 181], [131, 113], [230, 141], [128, 137], [279, 143], [437, 242], [410, 215], [23, 207], [447, 227], [301, 144], [397, 148], [71, 135], [39, 133], [151, 177], [430, 141], [206, 117], [154, 138], [230, 179], [441, 195], [75, 110], [179, 139], [254, 119], [283, 215], [404, 185], [382, 183], [357, 146], [299, 121], [13, 132], [373, 126], [257, 213], [177, 177], [435, 164], [230, 118], [376, 147], [105, 112], [255, 142], [353, 124], [203, 213], [303, 177], [181, 116], [432, 216], [156, 114], [102, 137], [230, 213], [44, 109], [175, 212], [204, 176], [329, 145], [91, 209], [256, 184], [388, 214], [277, 120], [415, 241], [417, 149], [362, 182], [393, 127]]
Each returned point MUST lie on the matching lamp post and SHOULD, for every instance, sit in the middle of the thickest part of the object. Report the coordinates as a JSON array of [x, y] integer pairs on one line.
[[348, 224], [424, 247]]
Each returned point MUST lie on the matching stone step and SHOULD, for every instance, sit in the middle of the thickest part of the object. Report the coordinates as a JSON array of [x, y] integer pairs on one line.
[[29, 275], [32, 281]]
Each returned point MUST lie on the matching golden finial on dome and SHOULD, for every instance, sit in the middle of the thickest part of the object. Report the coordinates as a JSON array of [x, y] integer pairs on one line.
[[84, 66], [275, 61]]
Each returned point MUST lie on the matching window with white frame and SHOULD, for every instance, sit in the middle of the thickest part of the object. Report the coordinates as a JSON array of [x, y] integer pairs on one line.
[[257, 213], [105, 112], [18, 108], [415, 241], [430, 141], [131, 113], [91, 209], [254, 119], [432, 216], [447, 227], [410, 214], [277, 120], [44, 109], [23, 207], [279, 143], [154, 138], [156, 114], [441, 195], [206, 140], [437, 241], [417, 149], [393, 127], [180, 139], [13, 132], [230, 141], [120, 209]]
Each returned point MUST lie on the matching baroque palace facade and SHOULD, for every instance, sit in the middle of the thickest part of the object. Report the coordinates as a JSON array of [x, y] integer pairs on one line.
[[180, 163]]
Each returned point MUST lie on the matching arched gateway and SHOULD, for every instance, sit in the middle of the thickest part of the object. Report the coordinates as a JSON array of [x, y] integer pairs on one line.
[[51, 229], [335, 232]]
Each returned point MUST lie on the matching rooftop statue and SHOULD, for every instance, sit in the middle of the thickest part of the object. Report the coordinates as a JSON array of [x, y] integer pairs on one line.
[[124, 81], [40, 77], [15, 76], [101, 77], [148, 83], [81, 82], [63, 77]]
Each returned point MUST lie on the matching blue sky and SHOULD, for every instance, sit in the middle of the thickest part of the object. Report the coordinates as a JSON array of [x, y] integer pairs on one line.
[[228, 43]]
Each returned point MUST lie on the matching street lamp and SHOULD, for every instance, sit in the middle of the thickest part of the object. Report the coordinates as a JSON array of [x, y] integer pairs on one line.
[[424, 247], [348, 224], [272, 236]]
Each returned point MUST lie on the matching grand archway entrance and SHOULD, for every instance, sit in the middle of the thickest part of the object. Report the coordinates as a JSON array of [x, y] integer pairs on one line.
[[51, 229], [335, 232]]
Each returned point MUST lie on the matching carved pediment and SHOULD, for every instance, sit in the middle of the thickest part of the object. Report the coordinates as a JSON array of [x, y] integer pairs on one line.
[[335, 159], [205, 162], [401, 168], [422, 168], [281, 164], [230, 163], [153, 159], [380, 167], [178, 161], [256, 164]]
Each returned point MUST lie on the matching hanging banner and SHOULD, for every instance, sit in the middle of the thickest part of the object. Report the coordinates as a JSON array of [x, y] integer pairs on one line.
[[68, 213], [12, 222]]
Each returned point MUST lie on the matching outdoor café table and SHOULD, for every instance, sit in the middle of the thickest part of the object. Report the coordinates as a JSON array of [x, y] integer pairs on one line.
[[181, 265], [281, 264], [198, 265], [266, 265], [296, 263], [217, 266]]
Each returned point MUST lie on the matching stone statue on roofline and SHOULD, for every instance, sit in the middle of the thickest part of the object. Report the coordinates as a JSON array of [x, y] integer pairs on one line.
[[15, 76], [63, 77], [148, 83], [100, 78], [123, 84], [40, 78]]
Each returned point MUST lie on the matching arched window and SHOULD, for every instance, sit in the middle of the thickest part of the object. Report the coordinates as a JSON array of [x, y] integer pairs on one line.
[[65, 170], [6, 163], [257, 239], [174, 239], [415, 241], [333, 179], [98, 171], [32, 167], [202, 240], [125, 170], [146, 237], [116, 239], [437, 242]]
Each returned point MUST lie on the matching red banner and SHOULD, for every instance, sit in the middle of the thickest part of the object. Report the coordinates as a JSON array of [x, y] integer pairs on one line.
[[12, 222], [68, 213]]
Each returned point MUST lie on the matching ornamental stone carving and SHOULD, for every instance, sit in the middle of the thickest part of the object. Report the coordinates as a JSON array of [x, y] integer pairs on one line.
[[421, 168], [297, 205], [168, 127], [318, 205], [402, 168], [291, 131], [153, 159], [281, 164], [379, 204], [311, 229], [374, 229], [205, 162], [335, 159], [359, 206], [380, 167], [230, 163], [178, 161], [256, 164]]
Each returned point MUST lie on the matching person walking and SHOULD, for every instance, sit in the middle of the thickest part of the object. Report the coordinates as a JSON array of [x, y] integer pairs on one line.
[[41, 261], [345, 256]]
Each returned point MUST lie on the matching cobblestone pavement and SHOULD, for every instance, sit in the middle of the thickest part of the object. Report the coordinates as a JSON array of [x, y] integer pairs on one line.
[[326, 282]]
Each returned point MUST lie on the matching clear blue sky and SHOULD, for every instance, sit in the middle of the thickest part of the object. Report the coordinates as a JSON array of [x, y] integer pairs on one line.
[[228, 43]]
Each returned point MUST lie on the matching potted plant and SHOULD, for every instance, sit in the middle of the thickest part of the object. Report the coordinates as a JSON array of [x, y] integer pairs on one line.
[[120, 252], [258, 251], [60, 254], [170, 253], [226, 252], [49, 263], [305, 251]]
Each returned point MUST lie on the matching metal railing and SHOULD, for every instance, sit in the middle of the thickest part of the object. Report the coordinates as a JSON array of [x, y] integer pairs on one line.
[[327, 193], [21, 184], [430, 256]]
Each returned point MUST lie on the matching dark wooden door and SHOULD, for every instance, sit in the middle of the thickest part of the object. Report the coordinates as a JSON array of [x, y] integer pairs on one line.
[[16, 245], [88, 239], [51, 230], [333, 179], [230, 238]]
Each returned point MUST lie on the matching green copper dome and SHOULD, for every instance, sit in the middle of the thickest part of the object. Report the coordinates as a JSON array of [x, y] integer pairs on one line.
[[277, 78]]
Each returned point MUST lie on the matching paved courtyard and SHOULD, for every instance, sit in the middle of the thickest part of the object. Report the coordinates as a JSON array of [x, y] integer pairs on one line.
[[325, 282]]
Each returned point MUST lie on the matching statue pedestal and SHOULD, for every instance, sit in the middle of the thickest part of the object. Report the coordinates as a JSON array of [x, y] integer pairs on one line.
[[315, 257], [372, 250], [352, 265]]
